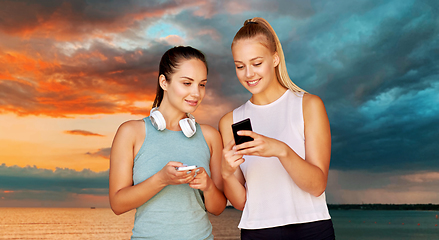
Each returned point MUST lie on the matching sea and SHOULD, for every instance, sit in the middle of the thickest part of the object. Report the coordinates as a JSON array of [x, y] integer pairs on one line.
[[102, 223]]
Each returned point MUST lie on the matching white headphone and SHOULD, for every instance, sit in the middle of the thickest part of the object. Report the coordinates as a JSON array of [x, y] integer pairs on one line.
[[187, 125]]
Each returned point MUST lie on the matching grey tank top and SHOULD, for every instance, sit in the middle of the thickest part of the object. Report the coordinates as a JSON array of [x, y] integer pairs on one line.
[[177, 211]]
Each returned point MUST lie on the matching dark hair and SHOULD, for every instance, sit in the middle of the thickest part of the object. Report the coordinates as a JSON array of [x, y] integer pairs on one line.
[[260, 29], [169, 63]]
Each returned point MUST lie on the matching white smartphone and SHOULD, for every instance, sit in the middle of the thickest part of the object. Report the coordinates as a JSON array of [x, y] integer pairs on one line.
[[186, 168]]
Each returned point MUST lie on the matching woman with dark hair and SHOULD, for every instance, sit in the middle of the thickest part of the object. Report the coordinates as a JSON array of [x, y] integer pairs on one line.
[[279, 178], [151, 158]]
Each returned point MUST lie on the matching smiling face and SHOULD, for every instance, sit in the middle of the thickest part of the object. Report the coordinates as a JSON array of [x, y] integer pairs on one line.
[[186, 88], [255, 65]]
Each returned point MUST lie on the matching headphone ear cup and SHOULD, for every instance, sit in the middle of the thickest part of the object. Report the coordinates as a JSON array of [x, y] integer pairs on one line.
[[157, 119], [188, 127]]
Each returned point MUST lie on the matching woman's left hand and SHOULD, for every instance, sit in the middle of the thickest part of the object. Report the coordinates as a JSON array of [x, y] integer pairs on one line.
[[260, 146], [201, 181]]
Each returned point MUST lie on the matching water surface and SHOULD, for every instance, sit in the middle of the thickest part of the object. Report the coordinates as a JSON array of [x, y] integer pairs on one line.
[[81, 223]]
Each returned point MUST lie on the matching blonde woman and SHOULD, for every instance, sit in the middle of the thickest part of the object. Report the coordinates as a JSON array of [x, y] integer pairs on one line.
[[279, 178]]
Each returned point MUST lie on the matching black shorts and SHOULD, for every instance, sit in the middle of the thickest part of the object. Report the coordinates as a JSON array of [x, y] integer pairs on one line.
[[320, 230]]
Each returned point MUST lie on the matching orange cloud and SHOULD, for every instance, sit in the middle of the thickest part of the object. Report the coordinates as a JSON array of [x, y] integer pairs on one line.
[[83, 133], [100, 80], [120, 60], [173, 40], [103, 152], [13, 64]]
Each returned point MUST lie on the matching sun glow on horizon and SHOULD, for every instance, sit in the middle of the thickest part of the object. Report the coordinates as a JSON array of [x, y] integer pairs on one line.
[[43, 142]]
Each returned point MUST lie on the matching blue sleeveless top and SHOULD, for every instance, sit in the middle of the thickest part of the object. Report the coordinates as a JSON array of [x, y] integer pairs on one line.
[[177, 211]]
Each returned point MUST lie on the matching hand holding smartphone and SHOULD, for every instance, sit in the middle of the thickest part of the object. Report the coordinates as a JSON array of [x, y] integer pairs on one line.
[[242, 125]]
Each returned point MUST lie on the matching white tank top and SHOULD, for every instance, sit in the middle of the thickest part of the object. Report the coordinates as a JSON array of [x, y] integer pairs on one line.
[[273, 199]]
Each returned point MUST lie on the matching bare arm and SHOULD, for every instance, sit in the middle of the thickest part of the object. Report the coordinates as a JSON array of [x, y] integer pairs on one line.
[[215, 201], [230, 171], [125, 196], [310, 175]]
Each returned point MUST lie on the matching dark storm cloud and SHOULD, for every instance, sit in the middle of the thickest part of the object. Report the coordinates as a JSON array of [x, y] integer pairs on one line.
[[378, 78], [400, 54], [77, 17], [17, 179], [374, 64]]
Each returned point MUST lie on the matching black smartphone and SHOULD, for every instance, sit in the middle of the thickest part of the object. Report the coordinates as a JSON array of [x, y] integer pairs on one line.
[[242, 125]]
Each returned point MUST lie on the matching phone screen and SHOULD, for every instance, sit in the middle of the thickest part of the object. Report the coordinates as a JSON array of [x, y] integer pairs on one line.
[[242, 125]]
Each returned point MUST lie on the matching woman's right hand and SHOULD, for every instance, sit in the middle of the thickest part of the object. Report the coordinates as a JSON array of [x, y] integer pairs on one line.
[[231, 160], [171, 176]]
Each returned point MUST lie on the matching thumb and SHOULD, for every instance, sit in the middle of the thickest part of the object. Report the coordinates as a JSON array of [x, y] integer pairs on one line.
[[175, 164], [200, 170]]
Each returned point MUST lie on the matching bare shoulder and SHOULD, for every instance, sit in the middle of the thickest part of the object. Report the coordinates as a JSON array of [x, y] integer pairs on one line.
[[314, 112], [130, 129], [128, 134], [226, 121], [312, 103], [311, 100], [212, 137], [131, 125], [225, 127], [209, 131]]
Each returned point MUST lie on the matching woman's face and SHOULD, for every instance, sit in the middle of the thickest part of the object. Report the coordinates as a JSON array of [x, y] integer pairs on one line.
[[254, 65], [187, 86]]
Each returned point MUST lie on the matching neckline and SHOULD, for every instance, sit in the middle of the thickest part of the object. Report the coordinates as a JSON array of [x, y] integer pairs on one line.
[[269, 104]]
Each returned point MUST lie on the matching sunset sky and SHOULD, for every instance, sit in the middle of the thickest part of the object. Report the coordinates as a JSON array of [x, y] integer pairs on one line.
[[72, 71]]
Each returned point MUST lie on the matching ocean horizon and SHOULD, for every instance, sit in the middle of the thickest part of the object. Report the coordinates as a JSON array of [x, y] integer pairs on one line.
[[102, 223]]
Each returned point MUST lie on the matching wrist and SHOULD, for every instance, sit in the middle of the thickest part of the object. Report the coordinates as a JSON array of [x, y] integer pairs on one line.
[[283, 153], [209, 186], [161, 179], [226, 175]]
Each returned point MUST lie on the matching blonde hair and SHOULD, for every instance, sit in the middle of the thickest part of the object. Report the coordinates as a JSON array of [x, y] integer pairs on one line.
[[259, 28]]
